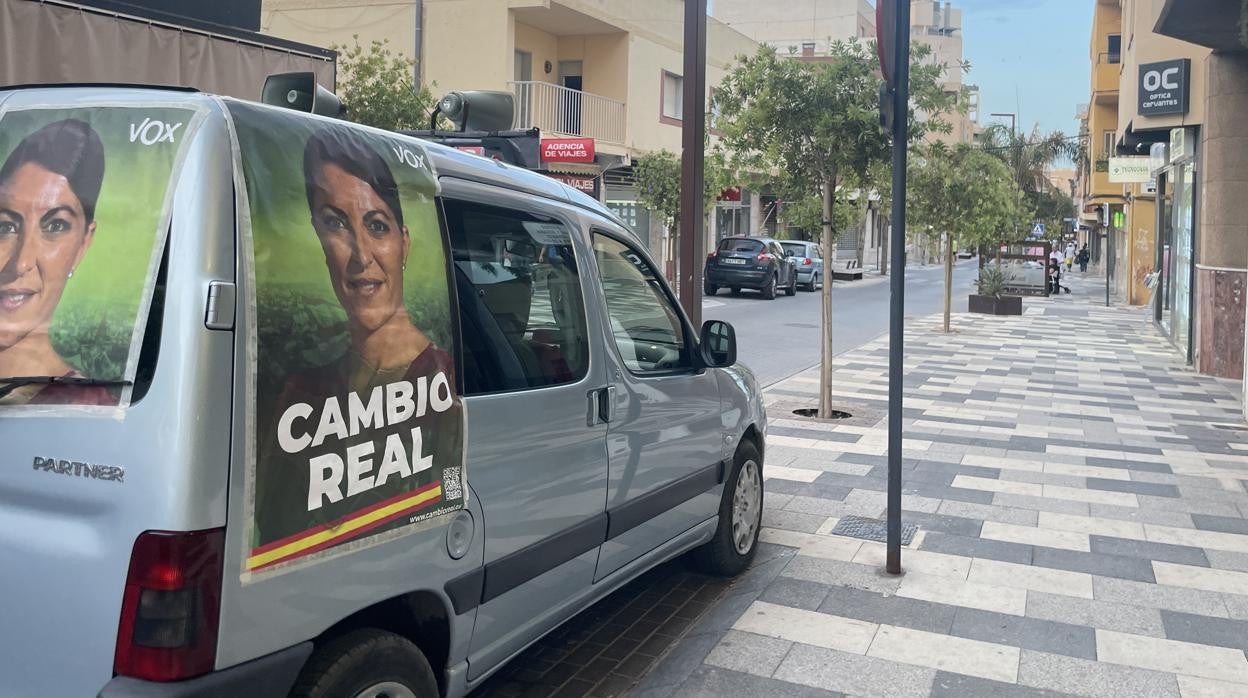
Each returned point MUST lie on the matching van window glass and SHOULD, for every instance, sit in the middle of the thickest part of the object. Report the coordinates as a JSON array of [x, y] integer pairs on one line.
[[520, 305], [644, 321], [740, 245]]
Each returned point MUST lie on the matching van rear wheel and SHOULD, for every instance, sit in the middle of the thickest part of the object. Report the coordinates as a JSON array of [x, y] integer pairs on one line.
[[367, 663], [740, 517]]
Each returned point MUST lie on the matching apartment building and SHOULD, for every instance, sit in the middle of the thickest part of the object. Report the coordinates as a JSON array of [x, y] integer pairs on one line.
[[606, 70], [939, 25], [1167, 165], [1103, 200], [1208, 163]]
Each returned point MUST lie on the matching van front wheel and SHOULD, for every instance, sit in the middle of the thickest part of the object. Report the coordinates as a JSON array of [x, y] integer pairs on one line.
[[740, 517], [367, 663]]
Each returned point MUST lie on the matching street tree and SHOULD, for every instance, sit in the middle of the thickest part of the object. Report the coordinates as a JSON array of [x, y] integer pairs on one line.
[[1029, 157], [817, 125], [964, 193], [378, 87], [657, 174]]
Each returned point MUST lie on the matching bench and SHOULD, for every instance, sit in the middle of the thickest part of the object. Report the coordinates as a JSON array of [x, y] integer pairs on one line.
[[848, 270]]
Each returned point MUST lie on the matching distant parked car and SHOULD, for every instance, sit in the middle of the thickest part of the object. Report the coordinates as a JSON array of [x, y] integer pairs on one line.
[[808, 257], [745, 262]]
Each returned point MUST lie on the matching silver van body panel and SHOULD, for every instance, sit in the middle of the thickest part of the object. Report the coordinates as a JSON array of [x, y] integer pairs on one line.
[[66, 542]]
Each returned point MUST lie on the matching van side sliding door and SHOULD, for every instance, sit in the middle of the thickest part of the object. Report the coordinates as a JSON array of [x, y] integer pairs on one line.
[[536, 451]]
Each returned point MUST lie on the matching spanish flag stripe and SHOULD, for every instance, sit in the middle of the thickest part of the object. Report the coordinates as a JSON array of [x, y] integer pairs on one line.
[[283, 542], [348, 528]]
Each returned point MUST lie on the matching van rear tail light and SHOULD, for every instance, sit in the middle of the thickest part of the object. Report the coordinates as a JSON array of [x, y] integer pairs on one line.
[[807, 262], [171, 606], [764, 257]]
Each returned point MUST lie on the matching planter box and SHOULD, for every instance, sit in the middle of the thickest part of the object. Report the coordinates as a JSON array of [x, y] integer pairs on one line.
[[990, 305]]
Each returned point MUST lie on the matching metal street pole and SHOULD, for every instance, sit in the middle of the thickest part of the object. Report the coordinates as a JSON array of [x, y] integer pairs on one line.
[[692, 162], [897, 282]]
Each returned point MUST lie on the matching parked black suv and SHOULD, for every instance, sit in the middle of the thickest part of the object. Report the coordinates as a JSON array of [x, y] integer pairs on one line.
[[745, 262]]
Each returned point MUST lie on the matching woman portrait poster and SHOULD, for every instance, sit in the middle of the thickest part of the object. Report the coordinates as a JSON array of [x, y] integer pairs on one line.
[[359, 422], [82, 206]]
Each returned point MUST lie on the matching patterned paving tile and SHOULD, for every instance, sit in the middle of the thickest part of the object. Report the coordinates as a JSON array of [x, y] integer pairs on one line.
[[1083, 529]]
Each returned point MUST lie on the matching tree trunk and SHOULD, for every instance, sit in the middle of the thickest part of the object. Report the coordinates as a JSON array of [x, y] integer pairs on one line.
[[948, 278], [825, 363]]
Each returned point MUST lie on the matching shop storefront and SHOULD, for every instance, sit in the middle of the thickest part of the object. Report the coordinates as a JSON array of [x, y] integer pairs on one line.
[[1176, 235]]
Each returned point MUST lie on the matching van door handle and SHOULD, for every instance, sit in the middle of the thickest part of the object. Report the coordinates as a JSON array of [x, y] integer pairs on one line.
[[601, 406]]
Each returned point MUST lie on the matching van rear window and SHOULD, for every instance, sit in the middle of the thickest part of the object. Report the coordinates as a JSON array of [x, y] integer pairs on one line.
[[84, 208]]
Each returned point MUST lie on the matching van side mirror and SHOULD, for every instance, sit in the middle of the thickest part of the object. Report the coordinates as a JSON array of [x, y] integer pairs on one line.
[[719, 344]]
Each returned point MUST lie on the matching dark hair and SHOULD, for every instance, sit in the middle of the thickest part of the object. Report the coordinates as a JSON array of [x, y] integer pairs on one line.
[[346, 149], [69, 148]]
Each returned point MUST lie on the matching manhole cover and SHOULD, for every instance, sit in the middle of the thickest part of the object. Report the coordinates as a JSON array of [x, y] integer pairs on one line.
[[813, 412], [871, 529]]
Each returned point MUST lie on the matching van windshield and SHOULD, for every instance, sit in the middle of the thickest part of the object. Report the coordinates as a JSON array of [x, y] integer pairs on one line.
[[84, 210]]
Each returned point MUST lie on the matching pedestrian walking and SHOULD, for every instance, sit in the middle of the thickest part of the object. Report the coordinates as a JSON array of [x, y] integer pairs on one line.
[[1070, 255], [1055, 278], [1082, 258]]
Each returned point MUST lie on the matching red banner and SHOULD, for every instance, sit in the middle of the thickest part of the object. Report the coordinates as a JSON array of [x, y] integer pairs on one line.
[[567, 150]]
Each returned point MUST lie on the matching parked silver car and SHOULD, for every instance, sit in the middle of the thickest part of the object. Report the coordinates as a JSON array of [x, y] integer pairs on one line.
[[808, 258], [316, 409]]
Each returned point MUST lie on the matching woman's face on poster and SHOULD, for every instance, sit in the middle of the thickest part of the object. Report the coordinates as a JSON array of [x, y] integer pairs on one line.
[[365, 248], [44, 234]]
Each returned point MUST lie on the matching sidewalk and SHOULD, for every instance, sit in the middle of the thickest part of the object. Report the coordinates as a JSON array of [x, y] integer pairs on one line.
[[1082, 524]]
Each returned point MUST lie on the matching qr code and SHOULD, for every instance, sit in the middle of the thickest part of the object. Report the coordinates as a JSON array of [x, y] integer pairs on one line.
[[452, 488]]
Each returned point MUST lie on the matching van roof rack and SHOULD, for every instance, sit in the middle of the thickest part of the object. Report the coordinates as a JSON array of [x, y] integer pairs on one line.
[[519, 147]]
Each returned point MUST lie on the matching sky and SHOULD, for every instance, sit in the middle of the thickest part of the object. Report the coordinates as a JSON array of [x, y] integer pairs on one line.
[[1029, 57]]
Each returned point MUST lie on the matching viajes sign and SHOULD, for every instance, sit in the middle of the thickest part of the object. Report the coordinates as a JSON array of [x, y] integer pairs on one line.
[[1165, 87]]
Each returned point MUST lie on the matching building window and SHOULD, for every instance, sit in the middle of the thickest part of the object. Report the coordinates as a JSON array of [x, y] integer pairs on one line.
[[808, 48], [1115, 48], [1107, 145], [673, 98]]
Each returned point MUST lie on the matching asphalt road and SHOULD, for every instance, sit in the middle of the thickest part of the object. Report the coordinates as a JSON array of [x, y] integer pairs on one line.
[[781, 337]]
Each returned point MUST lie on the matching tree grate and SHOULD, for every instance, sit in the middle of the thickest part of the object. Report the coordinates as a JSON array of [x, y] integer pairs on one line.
[[871, 529]]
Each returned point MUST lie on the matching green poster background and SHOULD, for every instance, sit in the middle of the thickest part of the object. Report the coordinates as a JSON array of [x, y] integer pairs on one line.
[[304, 354], [94, 323], [301, 325]]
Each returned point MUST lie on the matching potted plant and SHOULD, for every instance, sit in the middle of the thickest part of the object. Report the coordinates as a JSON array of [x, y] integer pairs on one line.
[[989, 299]]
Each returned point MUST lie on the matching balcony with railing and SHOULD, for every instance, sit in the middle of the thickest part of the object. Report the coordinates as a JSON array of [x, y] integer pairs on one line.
[[1106, 74], [563, 111]]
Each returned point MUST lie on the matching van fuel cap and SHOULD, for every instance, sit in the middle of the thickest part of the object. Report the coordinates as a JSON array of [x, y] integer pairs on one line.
[[459, 534]]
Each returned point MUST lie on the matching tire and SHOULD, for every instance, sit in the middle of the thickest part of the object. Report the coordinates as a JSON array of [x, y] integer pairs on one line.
[[769, 291], [709, 289], [816, 283], [792, 289], [367, 663], [732, 549]]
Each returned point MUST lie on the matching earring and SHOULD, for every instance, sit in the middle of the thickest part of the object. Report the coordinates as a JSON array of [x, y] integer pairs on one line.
[[71, 274], [405, 266]]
